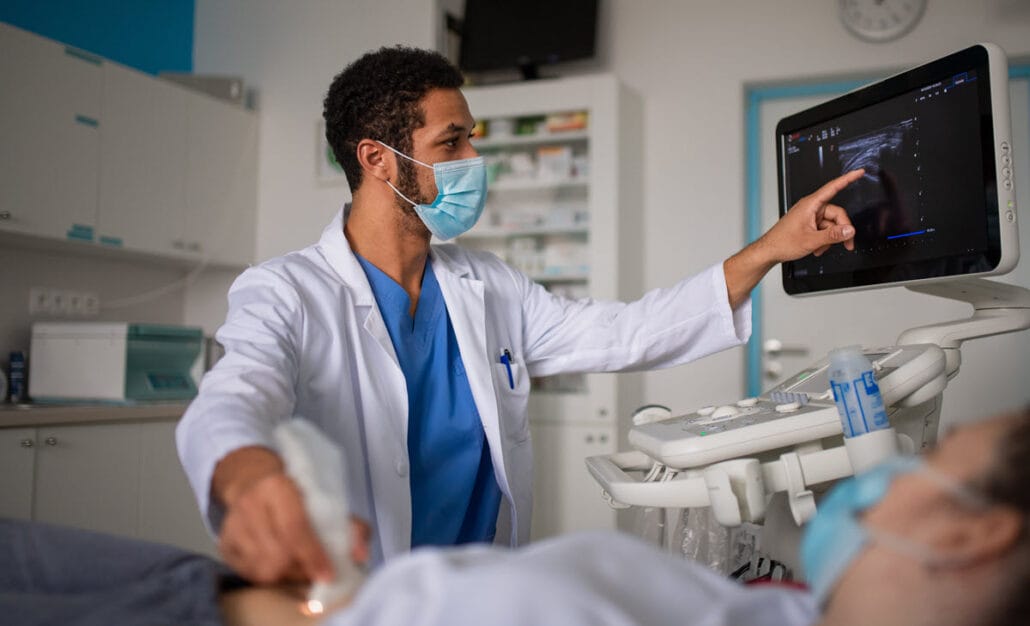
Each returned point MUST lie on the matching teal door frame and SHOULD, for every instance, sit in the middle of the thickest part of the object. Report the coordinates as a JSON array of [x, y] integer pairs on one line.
[[754, 98]]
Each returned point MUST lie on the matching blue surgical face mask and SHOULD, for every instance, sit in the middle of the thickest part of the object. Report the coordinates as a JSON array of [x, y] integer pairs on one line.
[[835, 536], [460, 195]]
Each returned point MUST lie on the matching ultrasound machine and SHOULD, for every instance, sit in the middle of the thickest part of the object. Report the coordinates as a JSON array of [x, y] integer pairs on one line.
[[935, 212]]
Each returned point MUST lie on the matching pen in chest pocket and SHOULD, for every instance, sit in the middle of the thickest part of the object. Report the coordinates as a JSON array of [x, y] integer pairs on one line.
[[506, 360]]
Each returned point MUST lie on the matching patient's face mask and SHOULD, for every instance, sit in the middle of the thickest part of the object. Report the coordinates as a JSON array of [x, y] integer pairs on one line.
[[460, 195], [836, 536]]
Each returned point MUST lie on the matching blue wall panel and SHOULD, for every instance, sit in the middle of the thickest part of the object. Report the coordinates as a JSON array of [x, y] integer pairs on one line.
[[149, 35]]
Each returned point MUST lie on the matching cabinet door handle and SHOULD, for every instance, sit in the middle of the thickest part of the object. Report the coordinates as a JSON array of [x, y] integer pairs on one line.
[[27, 443], [51, 441], [5, 216], [178, 244], [193, 246]]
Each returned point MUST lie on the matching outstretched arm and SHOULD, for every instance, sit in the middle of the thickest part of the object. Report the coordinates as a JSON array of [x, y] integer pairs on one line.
[[810, 227]]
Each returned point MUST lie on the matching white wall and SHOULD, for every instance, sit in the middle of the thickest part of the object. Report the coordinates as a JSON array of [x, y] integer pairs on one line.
[[289, 52], [689, 62]]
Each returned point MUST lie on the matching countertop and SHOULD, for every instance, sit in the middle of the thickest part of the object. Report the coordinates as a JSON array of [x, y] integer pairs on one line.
[[22, 415]]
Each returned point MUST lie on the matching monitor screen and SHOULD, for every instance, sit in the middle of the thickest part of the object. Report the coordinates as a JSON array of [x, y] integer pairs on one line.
[[509, 35], [936, 200]]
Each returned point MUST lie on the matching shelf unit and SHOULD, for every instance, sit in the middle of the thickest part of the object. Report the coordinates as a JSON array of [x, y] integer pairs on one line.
[[554, 212]]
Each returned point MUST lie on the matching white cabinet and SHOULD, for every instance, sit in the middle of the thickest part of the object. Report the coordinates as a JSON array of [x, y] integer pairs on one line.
[[85, 477], [17, 456], [167, 508], [221, 181], [122, 478], [49, 124], [564, 207], [93, 151], [565, 496], [142, 163]]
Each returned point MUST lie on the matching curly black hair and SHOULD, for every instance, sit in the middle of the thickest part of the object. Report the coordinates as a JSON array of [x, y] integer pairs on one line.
[[377, 97]]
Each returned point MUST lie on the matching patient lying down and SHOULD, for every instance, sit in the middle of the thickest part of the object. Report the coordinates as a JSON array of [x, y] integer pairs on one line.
[[946, 544]]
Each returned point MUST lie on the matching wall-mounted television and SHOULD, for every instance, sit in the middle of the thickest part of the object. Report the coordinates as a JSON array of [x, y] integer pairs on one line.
[[497, 35]]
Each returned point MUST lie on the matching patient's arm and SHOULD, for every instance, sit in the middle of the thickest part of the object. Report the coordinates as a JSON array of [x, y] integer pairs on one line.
[[271, 606]]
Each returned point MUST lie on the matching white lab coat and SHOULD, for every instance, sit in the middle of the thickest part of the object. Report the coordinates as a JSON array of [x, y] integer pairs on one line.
[[305, 337]]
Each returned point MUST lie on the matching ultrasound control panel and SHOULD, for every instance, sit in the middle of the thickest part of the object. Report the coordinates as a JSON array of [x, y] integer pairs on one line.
[[799, 410]]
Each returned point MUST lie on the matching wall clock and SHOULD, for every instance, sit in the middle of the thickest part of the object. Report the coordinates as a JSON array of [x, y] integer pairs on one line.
[[880, 20]]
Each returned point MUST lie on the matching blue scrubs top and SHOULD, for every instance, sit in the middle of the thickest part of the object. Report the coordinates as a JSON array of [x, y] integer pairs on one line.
[[454, 495]]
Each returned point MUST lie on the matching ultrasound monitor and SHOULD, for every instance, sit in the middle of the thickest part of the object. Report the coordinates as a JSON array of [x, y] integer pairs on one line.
[[937, 200]]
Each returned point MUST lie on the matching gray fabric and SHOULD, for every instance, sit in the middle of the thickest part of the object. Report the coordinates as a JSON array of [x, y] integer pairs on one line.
[[55, 575]]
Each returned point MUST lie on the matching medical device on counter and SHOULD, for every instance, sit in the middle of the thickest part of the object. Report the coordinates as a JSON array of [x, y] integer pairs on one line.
[[112, 362], [316, 465], [935, 212]]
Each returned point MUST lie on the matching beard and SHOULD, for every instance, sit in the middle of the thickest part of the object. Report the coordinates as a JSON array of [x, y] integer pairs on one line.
[[407, 183]]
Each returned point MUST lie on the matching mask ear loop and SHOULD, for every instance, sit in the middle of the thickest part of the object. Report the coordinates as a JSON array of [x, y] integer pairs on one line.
[[917, 551], [926, 555], [399, 153], [398, 192], [965, 495]]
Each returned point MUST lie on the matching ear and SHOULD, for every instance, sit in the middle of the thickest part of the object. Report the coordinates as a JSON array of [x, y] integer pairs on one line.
[[987, 535], [375, 160]]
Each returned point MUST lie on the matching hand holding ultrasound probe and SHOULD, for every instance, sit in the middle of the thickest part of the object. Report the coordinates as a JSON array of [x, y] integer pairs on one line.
[[317, 466]]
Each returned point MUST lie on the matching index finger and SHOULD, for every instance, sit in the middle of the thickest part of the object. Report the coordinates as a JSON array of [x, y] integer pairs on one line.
[[832, 188]]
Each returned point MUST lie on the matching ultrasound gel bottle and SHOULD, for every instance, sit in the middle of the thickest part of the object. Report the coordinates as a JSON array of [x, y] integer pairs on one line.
[[868, 435]]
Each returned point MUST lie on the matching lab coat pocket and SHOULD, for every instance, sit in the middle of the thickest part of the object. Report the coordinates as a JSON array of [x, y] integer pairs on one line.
[[512, 401]]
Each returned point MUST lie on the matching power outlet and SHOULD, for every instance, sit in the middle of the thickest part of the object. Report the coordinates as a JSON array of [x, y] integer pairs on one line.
[[60, 303], [39, 301], [49, 302], [90, 304]]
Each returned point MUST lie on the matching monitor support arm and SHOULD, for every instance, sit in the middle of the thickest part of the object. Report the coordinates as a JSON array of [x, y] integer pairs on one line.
[[998, 308]]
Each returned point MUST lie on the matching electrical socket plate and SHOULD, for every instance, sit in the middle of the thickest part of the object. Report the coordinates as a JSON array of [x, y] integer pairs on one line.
[[52, 302], [39, 301]]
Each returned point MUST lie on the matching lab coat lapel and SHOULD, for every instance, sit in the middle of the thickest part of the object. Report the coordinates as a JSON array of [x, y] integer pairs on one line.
[[384, 398], [466, 306], [341, 258], [339, 255]]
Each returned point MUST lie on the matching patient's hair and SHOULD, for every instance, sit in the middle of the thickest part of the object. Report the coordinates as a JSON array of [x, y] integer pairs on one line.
[[377, 97], [1007, 482]]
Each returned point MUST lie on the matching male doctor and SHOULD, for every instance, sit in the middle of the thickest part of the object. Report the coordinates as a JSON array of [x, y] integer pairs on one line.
[[416, 359]]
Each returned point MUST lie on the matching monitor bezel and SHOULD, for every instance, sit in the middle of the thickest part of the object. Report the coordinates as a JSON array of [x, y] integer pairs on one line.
[[1003, 243]]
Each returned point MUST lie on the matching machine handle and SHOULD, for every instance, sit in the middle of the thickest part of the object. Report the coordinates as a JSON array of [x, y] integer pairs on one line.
[[609, 470]]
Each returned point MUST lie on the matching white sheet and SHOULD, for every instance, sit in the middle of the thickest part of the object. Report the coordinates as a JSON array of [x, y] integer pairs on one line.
[[589, 579]]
